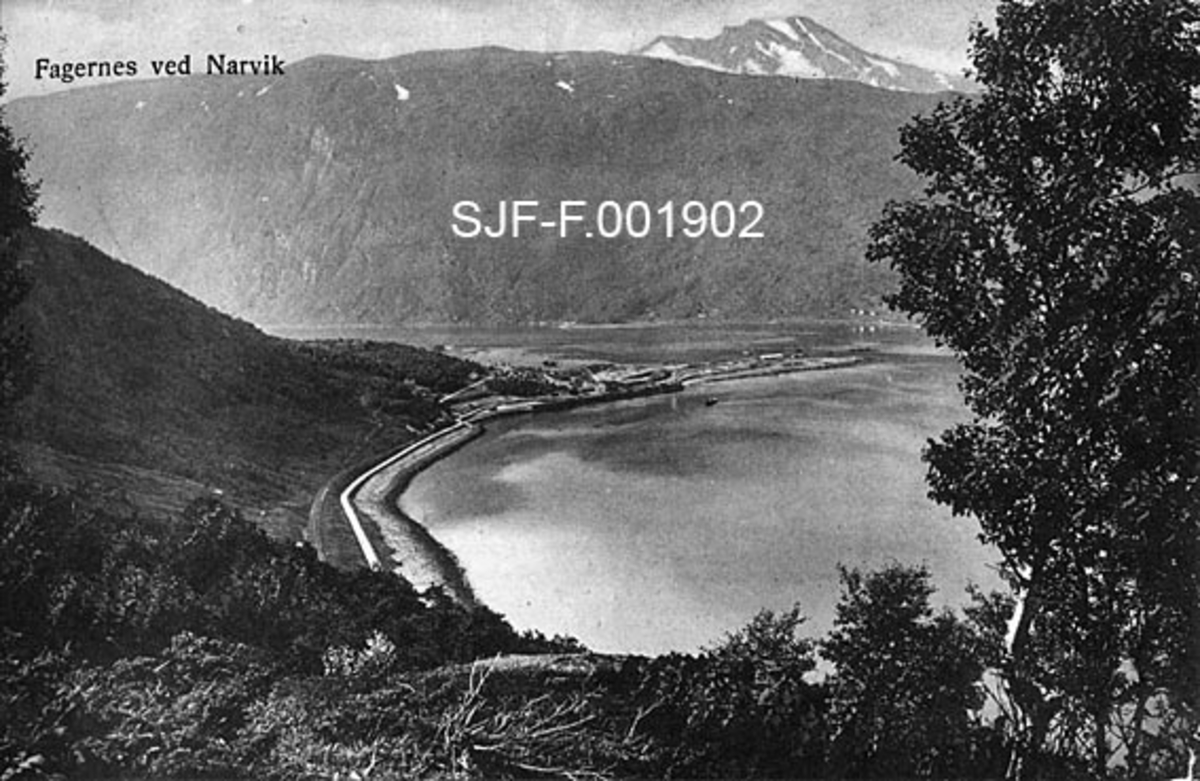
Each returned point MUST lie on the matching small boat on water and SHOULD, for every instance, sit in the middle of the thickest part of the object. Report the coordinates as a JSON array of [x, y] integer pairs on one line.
[[710, 401]]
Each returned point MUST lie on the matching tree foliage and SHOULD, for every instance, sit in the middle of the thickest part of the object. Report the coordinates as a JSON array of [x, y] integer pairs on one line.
[[18, 210], [740, 708], [906, 694], [1057, 253], [200, 647], [101, 612]]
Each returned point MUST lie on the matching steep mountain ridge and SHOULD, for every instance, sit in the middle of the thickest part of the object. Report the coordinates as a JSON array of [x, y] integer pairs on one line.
[[326, 195], [800, 48]]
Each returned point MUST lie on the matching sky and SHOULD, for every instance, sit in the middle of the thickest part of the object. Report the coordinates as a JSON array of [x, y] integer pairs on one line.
[[932, 33]]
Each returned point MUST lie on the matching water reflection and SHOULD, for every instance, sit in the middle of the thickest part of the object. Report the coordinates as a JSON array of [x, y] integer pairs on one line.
[[663, 523]]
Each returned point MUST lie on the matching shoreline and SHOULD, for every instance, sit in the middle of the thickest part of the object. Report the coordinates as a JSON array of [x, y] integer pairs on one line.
[[288, 330], [414, 552], [411, 551]]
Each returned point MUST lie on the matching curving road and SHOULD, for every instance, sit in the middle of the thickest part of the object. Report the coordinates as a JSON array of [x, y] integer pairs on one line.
[[416, 555]]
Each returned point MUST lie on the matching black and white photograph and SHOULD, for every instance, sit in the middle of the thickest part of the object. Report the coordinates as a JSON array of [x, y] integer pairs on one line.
[[600, 389]]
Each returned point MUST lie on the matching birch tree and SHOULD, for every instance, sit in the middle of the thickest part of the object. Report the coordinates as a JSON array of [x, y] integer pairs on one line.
[[1055, 252]]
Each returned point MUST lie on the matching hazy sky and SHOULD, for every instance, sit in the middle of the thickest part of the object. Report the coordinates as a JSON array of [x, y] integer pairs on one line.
[[924, 32]]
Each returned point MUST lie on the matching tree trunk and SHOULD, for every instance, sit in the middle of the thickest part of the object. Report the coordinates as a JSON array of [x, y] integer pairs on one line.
[[1101, 737], [1027, 696]]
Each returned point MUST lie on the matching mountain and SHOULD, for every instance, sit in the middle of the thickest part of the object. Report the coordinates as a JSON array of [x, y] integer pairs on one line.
[[800, 48], [327, 196], [142, 389]]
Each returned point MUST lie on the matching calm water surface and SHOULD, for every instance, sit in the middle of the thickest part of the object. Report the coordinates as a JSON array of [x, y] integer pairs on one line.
[[662, 524]]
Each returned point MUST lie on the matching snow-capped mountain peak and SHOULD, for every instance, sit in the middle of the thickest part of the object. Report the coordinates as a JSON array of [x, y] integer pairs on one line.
[[798, 47]]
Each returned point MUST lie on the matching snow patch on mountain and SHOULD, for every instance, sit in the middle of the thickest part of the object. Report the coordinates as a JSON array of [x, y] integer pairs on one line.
[[797, 47], [891, 69], [793, 62], [782, 26], [662, 51]]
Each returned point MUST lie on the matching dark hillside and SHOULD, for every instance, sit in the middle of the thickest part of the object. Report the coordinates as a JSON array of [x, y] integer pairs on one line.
[[136, 373]]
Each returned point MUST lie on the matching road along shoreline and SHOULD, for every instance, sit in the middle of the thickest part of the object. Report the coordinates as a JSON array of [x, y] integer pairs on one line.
[[413, 553]]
